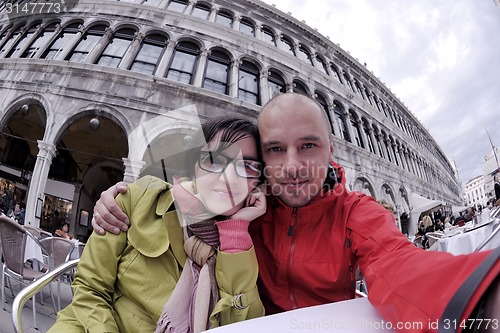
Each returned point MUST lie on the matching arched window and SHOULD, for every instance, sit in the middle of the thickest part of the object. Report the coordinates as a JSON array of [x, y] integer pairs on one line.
[[304, 55], [359, 90], [11, 40], [248, 83], [335, 73], [201, 10], [348, 82], [149, 54], [338, 110], [287, 45], [177, 5], [3, 36], [357, 130], [183, 62], [116, 48], [217, 72], [62, 39], [87, 43], [268, 36], [247, 27], [40, 41], [299, 87], [366, 130], [322, 101], [275, 83], [21, 43], [322, 65], [224, 18]]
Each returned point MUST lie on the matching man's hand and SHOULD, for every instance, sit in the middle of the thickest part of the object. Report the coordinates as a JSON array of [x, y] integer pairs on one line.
[[108, 216]]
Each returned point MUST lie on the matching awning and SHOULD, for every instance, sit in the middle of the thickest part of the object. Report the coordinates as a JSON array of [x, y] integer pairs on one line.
[[421, 205]]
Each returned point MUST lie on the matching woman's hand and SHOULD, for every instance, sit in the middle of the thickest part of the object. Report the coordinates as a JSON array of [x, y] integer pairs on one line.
[[255, 206]]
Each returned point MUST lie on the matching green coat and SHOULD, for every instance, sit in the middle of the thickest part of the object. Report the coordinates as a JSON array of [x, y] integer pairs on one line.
[[123, 281]]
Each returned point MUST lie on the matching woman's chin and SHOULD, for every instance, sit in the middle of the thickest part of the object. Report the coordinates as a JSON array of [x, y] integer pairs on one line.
[[226, 210]]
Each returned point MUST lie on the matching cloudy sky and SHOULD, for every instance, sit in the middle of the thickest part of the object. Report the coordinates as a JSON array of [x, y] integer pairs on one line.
[[440, 58]]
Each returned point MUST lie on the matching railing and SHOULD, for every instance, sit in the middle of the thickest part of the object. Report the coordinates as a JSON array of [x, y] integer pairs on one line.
[[28, 292]]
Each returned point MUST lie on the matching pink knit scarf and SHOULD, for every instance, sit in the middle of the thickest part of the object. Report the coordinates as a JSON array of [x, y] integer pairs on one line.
[[196, 293]]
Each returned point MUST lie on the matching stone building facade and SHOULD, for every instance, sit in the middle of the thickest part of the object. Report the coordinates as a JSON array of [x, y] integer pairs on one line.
[[103, 90]]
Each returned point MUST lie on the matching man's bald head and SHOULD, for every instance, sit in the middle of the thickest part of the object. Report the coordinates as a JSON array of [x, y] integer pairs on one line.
[[284, 103]]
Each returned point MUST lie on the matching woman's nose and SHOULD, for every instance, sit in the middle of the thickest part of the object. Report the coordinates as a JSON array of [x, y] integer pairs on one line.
[[229, 175]]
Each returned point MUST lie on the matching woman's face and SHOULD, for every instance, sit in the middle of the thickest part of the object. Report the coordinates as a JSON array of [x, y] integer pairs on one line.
[[224, 193]]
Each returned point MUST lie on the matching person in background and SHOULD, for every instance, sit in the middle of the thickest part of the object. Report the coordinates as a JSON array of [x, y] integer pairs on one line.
[[315, 232], [17, 214], [185, 265], [56, 223], [64, 232]]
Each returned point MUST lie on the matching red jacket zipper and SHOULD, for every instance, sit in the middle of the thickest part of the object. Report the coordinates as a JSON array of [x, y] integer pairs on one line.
[[291, 289]]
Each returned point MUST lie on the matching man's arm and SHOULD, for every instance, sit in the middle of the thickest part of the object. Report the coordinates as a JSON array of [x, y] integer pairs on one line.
[[108, 216]]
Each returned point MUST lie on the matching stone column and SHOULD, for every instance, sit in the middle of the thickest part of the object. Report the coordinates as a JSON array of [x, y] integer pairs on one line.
[[44, 47], [70, 46], [264, 88], [213, 14], [349, 130], [236, 23], [234, 78], [200, 68], [46, 152], [100, 46], [132, 169], [189, 7], [132, 51], [165, 59], [258, 32], [374, 141]]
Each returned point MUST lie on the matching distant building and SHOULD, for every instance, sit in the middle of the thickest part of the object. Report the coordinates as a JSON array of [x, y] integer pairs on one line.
[[106, 90], [475, 192]]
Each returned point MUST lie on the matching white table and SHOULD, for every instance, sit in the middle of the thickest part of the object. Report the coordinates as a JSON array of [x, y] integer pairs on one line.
[[32, 250], [356, 315], [467, 241]]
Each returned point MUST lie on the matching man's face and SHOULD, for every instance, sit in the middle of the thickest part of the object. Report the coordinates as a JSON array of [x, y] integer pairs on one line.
[[296, 149]]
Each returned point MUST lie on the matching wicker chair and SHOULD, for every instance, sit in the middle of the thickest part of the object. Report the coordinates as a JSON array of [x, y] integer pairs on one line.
[[59, 250], [13, 242], [34, 288], [34, 231]]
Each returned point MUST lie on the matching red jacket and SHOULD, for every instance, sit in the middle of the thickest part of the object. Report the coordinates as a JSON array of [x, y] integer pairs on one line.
[[308, 256]]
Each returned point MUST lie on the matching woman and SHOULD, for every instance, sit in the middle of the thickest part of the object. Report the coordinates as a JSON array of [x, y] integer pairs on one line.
[[210, 260], [64, 232]]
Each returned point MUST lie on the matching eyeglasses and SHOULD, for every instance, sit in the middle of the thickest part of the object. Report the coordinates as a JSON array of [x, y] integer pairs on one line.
[[217, 163]]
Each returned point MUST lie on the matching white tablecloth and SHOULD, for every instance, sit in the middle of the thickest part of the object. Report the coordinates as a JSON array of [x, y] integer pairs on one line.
[[466, 242], [352, 316], [32, 250]]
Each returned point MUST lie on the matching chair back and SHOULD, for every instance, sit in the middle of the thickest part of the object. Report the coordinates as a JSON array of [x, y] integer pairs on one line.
[[13, 244], [45, 234], [32, 230], [58, 248]]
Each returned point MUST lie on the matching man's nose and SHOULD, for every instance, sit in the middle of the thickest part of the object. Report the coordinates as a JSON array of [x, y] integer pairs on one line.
[[292, 164]]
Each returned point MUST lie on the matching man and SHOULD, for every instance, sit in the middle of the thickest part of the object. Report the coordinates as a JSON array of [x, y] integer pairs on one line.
[[315, 232]]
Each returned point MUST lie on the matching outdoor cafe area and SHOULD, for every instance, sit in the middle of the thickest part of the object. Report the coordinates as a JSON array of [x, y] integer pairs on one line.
[[481, 233], [28, 255]]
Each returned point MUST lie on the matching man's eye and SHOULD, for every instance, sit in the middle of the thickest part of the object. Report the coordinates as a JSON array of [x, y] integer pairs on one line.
[[274, 149], [308, 145]]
